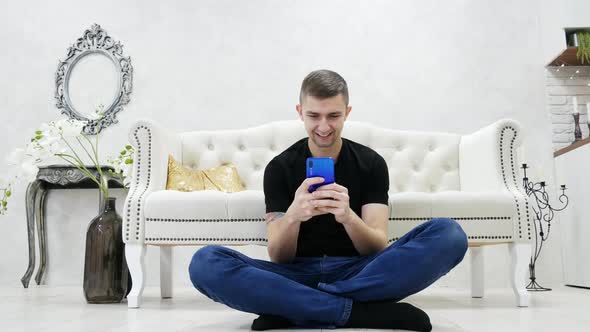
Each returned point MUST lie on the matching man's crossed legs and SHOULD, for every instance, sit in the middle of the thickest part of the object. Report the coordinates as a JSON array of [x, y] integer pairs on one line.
[[318, 292]]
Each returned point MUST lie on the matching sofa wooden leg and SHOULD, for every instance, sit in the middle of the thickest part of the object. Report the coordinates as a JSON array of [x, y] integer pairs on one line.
[[135, 256], [477, 271], [521, 254], [166, 271]]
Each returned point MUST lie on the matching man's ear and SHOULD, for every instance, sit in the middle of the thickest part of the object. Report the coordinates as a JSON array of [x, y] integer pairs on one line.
[[348, 110], [299, 111]]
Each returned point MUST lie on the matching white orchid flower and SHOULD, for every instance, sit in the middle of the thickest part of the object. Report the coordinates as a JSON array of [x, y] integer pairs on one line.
[[28, 171], [52, 144], [96, 115], [49, 130], [36, 152], [69, 128], [49, 141]]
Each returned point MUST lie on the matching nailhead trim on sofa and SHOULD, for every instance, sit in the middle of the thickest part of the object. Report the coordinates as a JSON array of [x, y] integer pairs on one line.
[[206, 220], [262, 219], [475, 237], [180, 239], [454, 218], [184, 239], [136, 187], [514, 178]]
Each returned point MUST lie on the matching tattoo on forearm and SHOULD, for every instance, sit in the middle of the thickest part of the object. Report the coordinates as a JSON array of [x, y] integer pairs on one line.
[[274, 216]]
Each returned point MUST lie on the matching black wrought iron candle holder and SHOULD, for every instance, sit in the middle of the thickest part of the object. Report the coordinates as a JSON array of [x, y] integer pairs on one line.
[[544, 213], [577, 129]]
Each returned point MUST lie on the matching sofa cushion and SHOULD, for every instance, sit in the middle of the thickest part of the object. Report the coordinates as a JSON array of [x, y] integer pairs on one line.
[[482, 215], [205, 216]]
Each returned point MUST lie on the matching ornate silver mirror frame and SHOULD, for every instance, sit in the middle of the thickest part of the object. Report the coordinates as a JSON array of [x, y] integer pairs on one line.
[[94, 41]]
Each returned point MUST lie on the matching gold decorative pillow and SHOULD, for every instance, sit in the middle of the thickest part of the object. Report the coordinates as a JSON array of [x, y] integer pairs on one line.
[[223, 178]]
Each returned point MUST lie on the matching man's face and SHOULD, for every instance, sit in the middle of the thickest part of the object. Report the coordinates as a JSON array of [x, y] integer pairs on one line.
[[323, 119]]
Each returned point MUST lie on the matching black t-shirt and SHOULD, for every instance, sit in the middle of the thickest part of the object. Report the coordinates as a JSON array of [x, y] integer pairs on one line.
[[358, 168]]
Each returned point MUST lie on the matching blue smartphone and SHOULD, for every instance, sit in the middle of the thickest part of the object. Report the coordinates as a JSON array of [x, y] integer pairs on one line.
[[322, 167]]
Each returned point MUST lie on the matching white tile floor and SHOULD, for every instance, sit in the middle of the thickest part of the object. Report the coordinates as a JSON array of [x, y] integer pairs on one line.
[[63, 309]]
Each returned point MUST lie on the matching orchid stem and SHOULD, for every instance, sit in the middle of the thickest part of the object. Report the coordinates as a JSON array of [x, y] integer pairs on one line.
[[79, 160], [83, 169], [87, 153], [96, 158]]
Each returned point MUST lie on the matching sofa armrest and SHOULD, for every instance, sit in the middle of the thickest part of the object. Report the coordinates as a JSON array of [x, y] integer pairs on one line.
[[152, 144], [489, 161], [488, 157]]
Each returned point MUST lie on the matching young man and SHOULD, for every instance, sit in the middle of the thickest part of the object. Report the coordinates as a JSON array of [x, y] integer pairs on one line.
[[331, 265]]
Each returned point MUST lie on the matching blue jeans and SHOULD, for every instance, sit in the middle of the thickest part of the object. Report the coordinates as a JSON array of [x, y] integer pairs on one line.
[[317, 292]]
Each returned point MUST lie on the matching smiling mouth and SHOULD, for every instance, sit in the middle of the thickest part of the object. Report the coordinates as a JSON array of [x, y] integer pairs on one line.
[[326, 136]]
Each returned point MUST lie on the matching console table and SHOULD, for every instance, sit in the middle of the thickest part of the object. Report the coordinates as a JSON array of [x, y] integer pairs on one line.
[[55, 177]]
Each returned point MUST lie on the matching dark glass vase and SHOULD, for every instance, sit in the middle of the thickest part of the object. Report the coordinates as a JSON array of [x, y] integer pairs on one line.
[[105, 269]]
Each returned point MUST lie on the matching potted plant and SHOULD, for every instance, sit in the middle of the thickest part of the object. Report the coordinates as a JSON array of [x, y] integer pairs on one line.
[[580, 38]]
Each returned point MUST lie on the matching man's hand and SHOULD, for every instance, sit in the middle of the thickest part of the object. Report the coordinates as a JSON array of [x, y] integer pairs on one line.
[[302, 208], [333, 198]]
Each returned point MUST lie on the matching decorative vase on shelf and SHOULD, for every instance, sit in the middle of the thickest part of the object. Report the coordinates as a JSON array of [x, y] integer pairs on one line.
[[105, 269]]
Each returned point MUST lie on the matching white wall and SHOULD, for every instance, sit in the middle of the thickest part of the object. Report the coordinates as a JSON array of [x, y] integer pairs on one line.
[[451, 66]]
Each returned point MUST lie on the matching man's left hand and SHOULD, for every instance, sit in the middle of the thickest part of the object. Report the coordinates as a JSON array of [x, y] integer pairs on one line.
[[333, 198]]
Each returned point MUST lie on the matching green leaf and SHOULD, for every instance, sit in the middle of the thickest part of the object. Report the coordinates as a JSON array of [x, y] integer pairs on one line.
[[4, 203], [38, 132], [38, 137], [128, 161], [124, 151], [584, 48], [8, 193], [128, 147]]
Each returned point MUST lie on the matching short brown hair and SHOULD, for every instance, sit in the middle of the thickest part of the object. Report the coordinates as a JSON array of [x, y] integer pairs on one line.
[[323, 84]]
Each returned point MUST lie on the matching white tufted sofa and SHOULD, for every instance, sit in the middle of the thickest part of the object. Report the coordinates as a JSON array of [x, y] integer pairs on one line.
[[473, 179]]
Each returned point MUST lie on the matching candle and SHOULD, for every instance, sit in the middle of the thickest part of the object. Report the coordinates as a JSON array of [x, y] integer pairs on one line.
[[575, 101]]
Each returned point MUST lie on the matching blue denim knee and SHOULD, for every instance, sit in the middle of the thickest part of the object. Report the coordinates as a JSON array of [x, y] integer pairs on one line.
[[202, 259], [456, 242]]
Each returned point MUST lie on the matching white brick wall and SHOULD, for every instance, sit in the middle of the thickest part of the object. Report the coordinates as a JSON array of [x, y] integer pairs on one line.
[[561, 86]]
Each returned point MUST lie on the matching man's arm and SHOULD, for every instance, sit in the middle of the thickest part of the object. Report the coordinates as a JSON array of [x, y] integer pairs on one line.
[[282, 232], [369, 234], [283, 228]]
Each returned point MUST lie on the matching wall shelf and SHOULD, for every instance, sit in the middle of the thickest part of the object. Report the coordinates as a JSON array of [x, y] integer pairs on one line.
[[567, 58]]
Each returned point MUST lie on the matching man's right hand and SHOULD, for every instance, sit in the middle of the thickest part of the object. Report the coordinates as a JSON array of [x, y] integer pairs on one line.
[[302, 208]]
